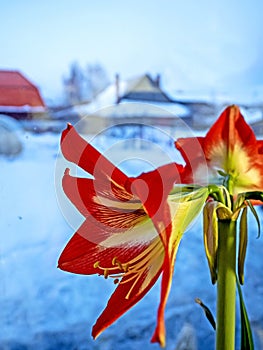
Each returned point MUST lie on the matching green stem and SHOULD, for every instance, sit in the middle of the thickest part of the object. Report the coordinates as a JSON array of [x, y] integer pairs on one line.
[[226, 285]]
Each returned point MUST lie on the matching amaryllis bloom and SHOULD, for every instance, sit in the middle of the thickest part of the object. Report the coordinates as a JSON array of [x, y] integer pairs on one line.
[[132, 227], [231, 152], [231, 156]]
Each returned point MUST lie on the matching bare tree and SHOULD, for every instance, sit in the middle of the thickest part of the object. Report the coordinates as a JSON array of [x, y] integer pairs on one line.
[[83, 85], [97, 78]]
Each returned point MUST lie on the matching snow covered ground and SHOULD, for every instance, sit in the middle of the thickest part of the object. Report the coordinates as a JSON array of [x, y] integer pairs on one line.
[[44, 308]]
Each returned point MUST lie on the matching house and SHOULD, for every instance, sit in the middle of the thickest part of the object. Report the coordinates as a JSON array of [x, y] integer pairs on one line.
[[19, 97], [139, 100], [143, 88]]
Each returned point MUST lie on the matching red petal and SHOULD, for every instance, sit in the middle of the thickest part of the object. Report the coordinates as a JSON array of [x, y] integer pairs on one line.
[[230, 128], [260, 146], [190, 148], [80, 255], [156, 205], [162, 179], [196, 169], [118, 304], [103, 201], [154, 187], [168, 268], [77, 150]]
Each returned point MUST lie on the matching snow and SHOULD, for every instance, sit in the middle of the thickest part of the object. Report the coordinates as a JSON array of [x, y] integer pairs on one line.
[[10, 144], [45, 308], [22, 109], [133, 108], [241, 95], [108, 96]]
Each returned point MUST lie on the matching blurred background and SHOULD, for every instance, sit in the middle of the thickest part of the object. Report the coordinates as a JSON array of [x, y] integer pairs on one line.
[[132, 76]]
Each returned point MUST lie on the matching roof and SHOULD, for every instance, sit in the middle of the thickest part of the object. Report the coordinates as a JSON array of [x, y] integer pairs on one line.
[[130, 94], [145, 88], [18, 94]]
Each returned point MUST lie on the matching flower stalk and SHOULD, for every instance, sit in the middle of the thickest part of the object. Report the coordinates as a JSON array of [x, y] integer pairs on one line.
[[226, 285]]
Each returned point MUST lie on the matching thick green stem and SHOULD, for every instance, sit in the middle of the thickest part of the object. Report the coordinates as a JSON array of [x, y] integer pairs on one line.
[[226, 286]]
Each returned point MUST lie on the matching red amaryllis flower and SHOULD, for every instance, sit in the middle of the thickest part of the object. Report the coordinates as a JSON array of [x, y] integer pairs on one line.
[[231, 152], [132, 227]]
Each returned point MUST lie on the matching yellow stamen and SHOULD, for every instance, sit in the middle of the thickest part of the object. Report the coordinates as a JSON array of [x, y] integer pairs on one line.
[[126, 267], [116, 262], [96, 264], [133, 269], [106, 273]]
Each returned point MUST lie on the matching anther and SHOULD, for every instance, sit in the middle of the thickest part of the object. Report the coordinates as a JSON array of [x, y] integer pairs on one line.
[[96, 264], [126, 267], [116, 262]]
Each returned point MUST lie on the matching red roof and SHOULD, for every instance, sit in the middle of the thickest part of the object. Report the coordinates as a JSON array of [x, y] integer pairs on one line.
[[16, 91]]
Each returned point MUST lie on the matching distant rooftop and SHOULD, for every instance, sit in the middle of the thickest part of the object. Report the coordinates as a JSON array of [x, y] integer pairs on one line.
[[18, 94]]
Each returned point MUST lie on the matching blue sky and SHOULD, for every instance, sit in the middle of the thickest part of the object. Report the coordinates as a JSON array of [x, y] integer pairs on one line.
[[201, 44]]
